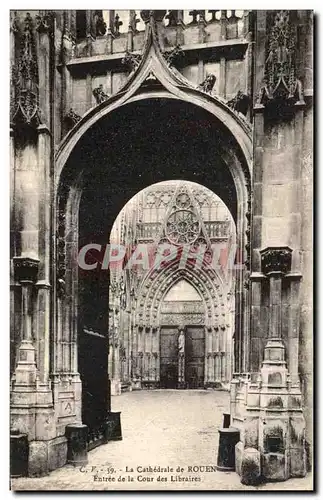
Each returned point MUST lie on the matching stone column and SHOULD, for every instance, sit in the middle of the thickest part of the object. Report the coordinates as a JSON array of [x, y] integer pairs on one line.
[[89, 31], [68, 46], [275, 263], [26, 270], [110, 32]]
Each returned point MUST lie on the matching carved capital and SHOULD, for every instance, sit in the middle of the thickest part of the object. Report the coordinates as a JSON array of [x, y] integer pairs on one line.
[[25, 268], [276, 260]]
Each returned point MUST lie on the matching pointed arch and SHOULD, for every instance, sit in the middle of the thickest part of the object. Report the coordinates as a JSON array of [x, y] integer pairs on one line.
[[182, 287], [158, 282], [171, 85]]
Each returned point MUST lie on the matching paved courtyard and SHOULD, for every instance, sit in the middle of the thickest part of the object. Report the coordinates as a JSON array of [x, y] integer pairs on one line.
[[166, 429]]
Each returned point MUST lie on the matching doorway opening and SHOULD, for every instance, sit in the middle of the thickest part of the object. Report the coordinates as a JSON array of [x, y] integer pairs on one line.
[[141, 143], [171, 296]]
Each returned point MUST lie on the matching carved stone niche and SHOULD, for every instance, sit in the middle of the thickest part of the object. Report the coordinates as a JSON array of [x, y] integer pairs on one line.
[[24, 99], [276, 260], [282, 90], [25, 268]]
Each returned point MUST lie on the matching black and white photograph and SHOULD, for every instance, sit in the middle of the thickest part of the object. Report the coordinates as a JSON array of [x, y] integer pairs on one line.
[[161, 250]]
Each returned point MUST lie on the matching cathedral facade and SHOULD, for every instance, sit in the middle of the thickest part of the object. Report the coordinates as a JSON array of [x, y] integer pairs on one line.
[[135, 134], [152, 307]]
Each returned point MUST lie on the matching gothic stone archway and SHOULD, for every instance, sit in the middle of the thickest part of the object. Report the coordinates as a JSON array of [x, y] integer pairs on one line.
[[92, 199], [156, 128]]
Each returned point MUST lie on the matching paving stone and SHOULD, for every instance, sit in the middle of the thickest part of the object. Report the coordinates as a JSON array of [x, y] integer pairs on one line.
[[166, 428]]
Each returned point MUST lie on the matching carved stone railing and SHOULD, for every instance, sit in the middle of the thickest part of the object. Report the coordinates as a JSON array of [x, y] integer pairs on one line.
[[148, 230], [217, 229]]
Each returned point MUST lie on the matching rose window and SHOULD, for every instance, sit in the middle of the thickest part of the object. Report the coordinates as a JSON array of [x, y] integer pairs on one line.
[[182, 227]]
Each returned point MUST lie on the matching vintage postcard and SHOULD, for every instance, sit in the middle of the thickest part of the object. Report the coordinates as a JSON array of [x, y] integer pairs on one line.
[[161, 250]]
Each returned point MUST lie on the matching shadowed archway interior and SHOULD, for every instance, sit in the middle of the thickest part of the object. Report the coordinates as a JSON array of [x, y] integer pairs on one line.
[[138, 145]]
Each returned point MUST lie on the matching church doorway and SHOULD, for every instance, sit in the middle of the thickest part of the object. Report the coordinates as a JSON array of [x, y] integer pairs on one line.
[[172, 315], [182, 360], [150, 140]]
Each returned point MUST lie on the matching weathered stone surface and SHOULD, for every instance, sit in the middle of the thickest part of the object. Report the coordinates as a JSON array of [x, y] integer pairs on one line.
[[251, 467], [156, 449], [38, 459], [239, 454], [57, 453], [251, 435], [298, 465], [274, 467]]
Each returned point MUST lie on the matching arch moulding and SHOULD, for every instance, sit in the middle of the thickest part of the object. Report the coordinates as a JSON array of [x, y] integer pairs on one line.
[[173, 85]]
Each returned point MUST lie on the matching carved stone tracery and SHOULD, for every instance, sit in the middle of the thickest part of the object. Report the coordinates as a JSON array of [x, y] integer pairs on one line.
[[175, 56], [281, 83], [24, 96], [131, 61], [182, 227]]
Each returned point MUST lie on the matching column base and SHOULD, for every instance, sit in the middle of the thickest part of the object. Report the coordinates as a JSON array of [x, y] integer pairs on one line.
[[272, 428]]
